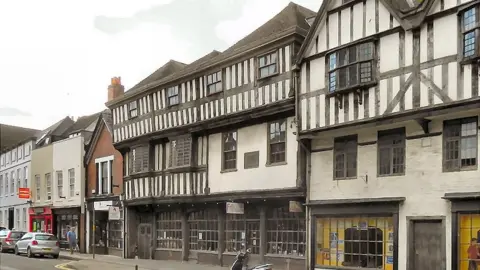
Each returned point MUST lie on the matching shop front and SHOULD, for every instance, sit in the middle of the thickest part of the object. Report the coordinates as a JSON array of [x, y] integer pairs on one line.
[[41, 219], [66, 218], [465, 222], [354, 234]]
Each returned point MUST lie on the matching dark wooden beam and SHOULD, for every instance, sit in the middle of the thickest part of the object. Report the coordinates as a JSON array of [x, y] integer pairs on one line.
[[424, 124]]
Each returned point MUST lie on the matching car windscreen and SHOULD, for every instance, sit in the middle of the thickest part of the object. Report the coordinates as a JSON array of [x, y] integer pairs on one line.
[[4, 233], [16, 235], [45, 237]]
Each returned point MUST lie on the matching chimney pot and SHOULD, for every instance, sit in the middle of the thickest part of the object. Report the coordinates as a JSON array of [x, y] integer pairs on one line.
[[115, 89]]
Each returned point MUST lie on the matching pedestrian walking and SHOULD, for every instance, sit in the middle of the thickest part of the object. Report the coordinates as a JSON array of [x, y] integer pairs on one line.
[[473, 254], [72, 239]]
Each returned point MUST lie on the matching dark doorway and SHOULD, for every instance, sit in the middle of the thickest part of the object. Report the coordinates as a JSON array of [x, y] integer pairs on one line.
[[426, 240], [11, 218], [144, 240]]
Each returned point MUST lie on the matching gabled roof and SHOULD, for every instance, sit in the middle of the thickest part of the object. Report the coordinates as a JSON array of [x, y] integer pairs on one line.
[[58, 129], [291, 20], [169, 68], [103, 121], [409, 13], [83, 122], [10, 136]]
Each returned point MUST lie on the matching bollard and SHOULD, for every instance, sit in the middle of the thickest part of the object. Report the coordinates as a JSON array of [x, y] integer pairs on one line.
[[136, 267]]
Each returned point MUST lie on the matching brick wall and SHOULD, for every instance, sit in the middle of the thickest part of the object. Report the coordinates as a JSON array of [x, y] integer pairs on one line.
[[103, 148]]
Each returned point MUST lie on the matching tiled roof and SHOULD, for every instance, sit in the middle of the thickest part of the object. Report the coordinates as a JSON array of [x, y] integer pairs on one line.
[[169, 68], [13, 135], [288, 21], [83, 122]]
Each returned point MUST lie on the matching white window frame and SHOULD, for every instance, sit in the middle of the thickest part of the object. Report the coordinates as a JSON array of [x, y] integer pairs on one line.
[[17, 217], [19, 174], [24, 217], [25, 176], [99, 161], [59, 175], [38, 189], [48, 186], [1, 184], [71, 182], [12, 182]]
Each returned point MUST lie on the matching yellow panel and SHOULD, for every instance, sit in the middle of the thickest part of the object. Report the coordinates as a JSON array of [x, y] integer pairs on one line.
[[476, 221], [463, 265], [465, 221], [465, 236]]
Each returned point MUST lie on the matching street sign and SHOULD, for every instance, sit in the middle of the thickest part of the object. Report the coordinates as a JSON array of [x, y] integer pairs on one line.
[[114, 213], [24, 193]]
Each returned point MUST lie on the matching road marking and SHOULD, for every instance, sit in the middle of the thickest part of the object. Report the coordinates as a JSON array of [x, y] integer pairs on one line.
[[7, 268], [63, 266]]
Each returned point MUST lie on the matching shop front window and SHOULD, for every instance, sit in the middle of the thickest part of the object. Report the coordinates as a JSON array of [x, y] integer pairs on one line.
[[203, 230], [243, 230], [363, 242], [169, 230], [469, 238], [115, 229], [286, 232]]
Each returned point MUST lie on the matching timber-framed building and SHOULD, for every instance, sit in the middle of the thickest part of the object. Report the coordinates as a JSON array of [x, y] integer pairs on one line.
[[388, 109], [210, 153]]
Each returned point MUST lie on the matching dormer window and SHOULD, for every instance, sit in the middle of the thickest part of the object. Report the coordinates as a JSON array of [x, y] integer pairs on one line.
[[172, 96], [267, 65], [214, 83], [470, 31], [132, 109], [351, 67]]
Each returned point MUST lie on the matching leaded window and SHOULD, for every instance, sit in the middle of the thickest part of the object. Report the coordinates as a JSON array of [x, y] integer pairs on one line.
[[470, 32], [460, 144], [229, 150], [351, 67], [345, 154], [286, 232], [169, 230], [277, 138], [181, 152], [203, 227], [268, 65], [214, 82], [132, 109], [139, 157], [173, 96], [391, 152], [241, 229]]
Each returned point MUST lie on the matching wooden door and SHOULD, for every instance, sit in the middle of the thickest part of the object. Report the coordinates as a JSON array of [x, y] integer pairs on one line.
[[427, 245], [144, 240]]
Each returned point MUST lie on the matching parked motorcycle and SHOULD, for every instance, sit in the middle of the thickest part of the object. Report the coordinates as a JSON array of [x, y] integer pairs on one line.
[[241, 261]]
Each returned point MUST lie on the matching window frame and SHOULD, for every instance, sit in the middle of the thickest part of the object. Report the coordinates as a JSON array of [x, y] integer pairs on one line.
[[187, 139], [266, 66], [205, 232], [225, 152], [270, 143], [138, 160], [115, 232], [384, 141], [169, 230], [475, 29], [25, 172], [38, 187], [451, 124], [71, 184], [336, 68], [133, 110], [282, 224], [12, 182], [174, 94], [59, 183], [1, 184], [19, 176], [211, 82], [7, 184], [345, 140], [48, 186]]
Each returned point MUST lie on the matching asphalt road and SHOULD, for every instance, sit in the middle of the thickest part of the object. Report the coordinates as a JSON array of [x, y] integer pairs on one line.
[[9, 261]]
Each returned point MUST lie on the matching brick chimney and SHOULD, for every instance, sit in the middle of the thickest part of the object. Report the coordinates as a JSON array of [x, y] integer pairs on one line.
[[115, 89]]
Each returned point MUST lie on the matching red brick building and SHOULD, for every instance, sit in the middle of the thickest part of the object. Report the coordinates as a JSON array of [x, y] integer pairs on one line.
[[104, 187]]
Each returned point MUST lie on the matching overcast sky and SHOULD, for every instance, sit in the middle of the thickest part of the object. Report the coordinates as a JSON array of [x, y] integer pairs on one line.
[[57, 56]]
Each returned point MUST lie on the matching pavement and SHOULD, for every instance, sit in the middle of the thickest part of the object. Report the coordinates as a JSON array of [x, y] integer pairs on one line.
[[109, 262], [10, 261]]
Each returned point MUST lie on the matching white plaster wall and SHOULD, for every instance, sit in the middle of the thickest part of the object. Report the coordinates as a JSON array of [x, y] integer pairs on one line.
[[252, 138], [423, 184], [68, 154], [8, 199]]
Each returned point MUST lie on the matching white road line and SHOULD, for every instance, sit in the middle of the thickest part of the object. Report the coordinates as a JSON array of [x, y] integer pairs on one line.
[[3, 267]]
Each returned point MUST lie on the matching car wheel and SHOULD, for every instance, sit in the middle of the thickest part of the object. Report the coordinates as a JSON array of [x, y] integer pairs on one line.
[[55, 256], [29, 253], [16, 251]]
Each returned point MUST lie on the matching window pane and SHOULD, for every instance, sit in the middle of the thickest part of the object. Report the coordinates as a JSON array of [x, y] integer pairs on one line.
[[469, 44], [353, 75], [263, 72], [342, 78], [273, 58], [333, 61], [365, 72], [366, 51], [469, 19], [469, 129], [333, 81]]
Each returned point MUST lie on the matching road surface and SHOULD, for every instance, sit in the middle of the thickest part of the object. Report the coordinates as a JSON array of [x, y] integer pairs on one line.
[[9, 261]]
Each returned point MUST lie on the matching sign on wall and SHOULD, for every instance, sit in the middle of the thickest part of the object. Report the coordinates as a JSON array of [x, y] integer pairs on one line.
[[114, 213], [24, 193], [235, 208], [295, 207], [102, 205]]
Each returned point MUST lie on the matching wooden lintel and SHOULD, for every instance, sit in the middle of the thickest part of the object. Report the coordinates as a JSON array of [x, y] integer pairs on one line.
[[424, 124]]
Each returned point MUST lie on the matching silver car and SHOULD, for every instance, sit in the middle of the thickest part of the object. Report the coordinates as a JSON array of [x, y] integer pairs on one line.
[[38, 244], [8, 239]]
